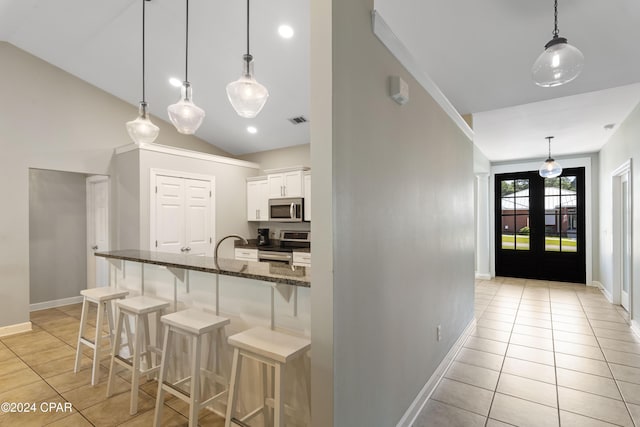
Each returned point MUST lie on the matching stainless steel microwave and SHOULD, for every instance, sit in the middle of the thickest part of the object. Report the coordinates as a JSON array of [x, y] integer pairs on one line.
[[290, 209]]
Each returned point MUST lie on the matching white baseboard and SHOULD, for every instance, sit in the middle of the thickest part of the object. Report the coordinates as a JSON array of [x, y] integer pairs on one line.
[[55, 303], [421, 399], [604, 291], [15, 329], [483, 276], [635, 327]]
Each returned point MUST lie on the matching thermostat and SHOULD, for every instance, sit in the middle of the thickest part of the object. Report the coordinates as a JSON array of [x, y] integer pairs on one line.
[[398, 90]]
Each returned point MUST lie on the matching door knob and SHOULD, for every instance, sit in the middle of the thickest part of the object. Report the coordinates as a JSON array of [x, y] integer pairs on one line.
[[94, 247]]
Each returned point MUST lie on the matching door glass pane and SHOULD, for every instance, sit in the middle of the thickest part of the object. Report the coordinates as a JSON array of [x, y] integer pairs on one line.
[[522, 188], [568, 183], [508, 187], [508, 235], [508, 205], [569, 225], [522, 233]]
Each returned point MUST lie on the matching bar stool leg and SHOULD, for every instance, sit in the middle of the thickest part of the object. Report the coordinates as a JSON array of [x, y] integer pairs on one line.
[[135, 374], [98, 343], [194, 407], [233, 387], [278, 379], [164, 367], [115, 349], [147, 339], [110, 320], [83, 322]]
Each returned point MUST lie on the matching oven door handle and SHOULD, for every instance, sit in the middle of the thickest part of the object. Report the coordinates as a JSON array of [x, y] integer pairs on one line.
[[292, 211], [274, 257]]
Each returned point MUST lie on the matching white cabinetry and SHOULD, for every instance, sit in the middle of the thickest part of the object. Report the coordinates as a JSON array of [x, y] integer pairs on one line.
[[257, 199], [243, 254], [302, 259], [182, 215], [285, 184], [307, 196]]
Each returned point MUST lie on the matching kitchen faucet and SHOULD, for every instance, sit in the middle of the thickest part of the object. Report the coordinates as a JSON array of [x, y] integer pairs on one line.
[[215, 251]]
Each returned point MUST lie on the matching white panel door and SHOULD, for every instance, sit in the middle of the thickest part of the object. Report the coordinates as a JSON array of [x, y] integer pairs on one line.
[[198, 198], [97, 230], [170, 214]]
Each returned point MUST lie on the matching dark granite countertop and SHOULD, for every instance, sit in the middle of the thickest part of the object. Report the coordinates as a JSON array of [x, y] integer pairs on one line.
[[295, 276]]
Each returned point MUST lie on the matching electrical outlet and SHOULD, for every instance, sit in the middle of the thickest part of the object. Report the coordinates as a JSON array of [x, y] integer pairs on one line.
[[439, 329]]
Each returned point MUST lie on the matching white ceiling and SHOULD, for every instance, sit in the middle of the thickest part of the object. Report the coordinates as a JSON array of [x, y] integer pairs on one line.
[[478, 52]]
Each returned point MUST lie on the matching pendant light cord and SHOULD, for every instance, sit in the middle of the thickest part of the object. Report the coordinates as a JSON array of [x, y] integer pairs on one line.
[[248, 27], [143, 31], [549, 138], [186, 48], [555, 12]]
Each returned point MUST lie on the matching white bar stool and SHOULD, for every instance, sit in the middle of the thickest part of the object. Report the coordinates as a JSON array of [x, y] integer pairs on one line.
[[102, 297], [194, 324], [271, 348], [140, 308]]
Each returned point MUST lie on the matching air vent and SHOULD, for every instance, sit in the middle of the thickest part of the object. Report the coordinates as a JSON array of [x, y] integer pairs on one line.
[[298, 120]]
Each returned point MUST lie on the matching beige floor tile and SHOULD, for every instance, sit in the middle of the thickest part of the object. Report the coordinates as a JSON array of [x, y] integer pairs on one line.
[[622, 358], [533, 331], [591, 405], [616, 335], [571, 320], [18, 378], [635, 413], [211, 420], [630, 392], [531, 341], [625, 346], [473, 375], [575, 338], [75, 420], [181, 407], [115, 411], [490, 346], [531, 370], [88, 395], [625, 373], [480, 358], [608, 317], [586, 382], [491, 334], [69, 380], [568, 313], [170, 418], [11, 364], [568, 419], [5, 353], [463, 396], [34, 392], [583, 364], [528, 389], [528, 321], [495, 324], [576, 329], [501, 310], [578, 350], [522, 413], [54, 353], [616, 326], [437, 414], [531, 313], [531, 354], [509, 318], [496, 423], [40, 417], [47, 369]]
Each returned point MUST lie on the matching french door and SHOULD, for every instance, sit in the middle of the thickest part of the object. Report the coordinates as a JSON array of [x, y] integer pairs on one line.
[[540, 226]]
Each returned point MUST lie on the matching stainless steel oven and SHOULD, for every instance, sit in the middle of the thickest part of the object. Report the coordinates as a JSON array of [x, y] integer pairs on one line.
[[290, 209], [275, 257]]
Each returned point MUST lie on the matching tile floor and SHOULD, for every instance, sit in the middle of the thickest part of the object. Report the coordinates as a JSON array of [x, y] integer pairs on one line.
[[542, 354], [37, 367]]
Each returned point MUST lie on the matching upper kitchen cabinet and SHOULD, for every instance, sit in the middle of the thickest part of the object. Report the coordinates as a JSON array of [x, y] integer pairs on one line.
[[257, 198], [286, 182]]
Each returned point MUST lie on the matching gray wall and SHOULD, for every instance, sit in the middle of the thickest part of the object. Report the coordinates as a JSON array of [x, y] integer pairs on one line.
[[403, 232], [57, 235], [52, 120], [623, 145], [298, 155]]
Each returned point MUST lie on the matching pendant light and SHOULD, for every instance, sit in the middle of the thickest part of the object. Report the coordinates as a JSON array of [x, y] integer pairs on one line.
[[184, 114], [550, 168], [246, 95], [560, 62], [141, 130]]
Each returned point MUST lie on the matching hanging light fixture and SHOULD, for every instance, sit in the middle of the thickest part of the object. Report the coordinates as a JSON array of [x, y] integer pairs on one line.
[[560, 62], [246, 95], [550, 168], [184, 114], [141, 130]]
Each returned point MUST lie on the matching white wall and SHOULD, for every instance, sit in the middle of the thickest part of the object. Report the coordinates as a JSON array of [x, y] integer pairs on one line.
[[298, 155], [623, 145], [50, 119], [57, 235], [402, 218]]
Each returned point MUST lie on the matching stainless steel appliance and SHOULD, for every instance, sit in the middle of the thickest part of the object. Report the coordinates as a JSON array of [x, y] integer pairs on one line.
[[281, 251], [289, 209], [263, 237]]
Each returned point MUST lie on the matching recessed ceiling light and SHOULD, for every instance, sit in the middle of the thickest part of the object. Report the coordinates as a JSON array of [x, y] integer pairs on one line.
[[175, 82], [285, 31], [252, 129]]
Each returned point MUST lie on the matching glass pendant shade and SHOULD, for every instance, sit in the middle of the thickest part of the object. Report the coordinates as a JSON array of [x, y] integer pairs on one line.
[[141, 130], [550, 169], [184, 114], [560, 63], [246, 95]]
